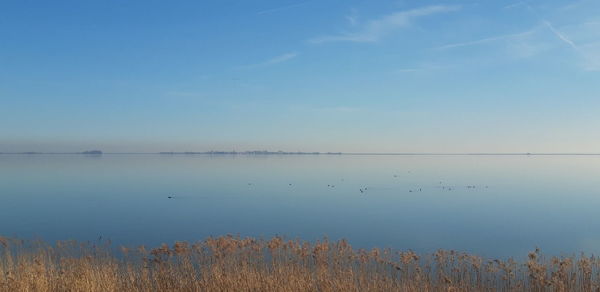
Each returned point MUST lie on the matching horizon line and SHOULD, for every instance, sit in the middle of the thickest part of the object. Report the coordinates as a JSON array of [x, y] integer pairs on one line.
[[305, 153]]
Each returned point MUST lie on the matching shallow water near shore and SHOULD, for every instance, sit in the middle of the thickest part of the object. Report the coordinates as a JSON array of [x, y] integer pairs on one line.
[[494, 206]]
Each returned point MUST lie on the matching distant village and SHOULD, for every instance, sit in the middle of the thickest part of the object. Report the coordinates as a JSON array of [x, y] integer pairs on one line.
[[255, 152], [90, 152]]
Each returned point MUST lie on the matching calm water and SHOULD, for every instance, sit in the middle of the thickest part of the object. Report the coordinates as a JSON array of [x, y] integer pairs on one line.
[[411, 202]]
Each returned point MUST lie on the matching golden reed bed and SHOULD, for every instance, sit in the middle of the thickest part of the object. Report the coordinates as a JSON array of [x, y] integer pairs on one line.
[[245, 264]]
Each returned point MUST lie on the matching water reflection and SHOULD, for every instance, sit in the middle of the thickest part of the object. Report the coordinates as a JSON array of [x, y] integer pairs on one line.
[[490, 205]]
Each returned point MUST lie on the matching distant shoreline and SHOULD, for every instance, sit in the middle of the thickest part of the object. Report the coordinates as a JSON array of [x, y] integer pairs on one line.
[[98, 153]]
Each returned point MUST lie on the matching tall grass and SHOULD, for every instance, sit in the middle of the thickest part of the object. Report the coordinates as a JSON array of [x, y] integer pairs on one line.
[[245, 264]]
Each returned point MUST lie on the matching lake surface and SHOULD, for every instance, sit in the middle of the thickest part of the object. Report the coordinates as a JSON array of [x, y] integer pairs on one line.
[[495, 206]]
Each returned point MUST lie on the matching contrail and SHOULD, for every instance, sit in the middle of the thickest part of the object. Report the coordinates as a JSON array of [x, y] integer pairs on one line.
[[557, 33], [561, 36]]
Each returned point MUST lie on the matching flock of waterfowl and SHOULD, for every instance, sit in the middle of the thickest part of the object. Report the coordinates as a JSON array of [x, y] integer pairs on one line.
[[420, 189], [363, 190]]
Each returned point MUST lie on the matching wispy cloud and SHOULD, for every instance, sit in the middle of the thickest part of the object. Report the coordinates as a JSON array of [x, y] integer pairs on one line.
[[281, 58], [589, 53], [280, 8], [586, 36], [561, 36], [352, 18], [590, 60], [575, 4], [486, 40], [377, 29], [275, 60]]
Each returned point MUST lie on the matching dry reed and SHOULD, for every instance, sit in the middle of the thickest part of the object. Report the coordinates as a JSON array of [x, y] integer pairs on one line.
[[245, 264]]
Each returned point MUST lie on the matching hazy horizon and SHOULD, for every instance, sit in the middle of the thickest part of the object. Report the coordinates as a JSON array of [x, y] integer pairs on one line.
[[278, 151]]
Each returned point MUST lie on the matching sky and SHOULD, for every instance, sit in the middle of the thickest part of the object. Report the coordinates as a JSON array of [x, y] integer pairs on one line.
[[327, 75]]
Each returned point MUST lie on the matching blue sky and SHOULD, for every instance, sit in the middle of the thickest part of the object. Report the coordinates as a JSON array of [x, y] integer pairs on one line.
[[374, 76]]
